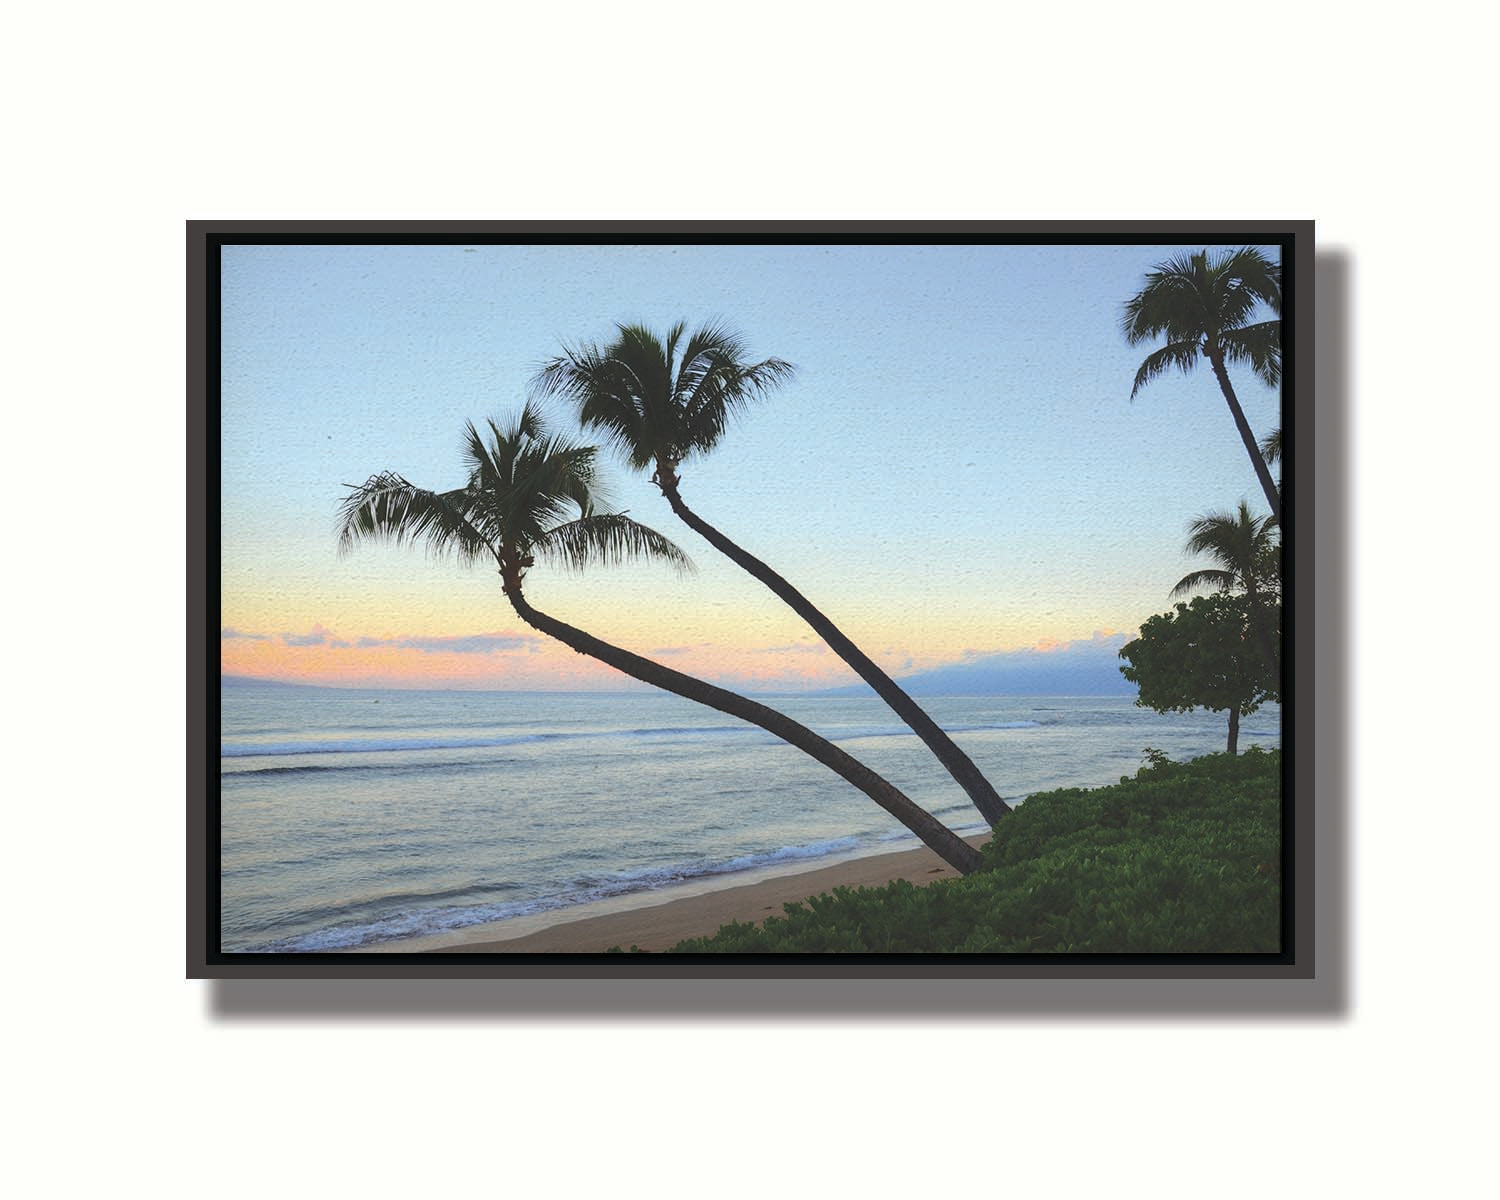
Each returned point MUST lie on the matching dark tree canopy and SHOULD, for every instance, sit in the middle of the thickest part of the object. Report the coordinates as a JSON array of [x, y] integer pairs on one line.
[[1248, 552], [1201, 655]]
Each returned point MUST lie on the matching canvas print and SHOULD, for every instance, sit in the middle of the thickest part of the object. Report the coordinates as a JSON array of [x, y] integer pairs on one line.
[[660, 600]]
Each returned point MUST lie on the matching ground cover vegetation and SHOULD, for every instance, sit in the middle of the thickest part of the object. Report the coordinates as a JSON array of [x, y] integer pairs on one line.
[[1179, 858]]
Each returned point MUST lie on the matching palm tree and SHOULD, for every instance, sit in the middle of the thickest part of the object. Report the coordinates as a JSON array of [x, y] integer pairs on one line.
[[1203, 307], [1249, 557], [524, 486], [661, 401]]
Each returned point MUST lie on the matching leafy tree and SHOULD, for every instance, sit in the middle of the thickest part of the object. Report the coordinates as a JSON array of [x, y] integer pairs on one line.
[[1200, 656], [1203, 307], [661, 401], [532, 495]]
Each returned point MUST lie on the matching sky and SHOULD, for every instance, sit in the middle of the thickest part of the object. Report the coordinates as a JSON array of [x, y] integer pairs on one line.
[[955, 470]]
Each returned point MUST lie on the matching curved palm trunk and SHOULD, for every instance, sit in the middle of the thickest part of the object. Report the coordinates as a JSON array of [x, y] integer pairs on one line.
[[934, 834], [991, 807], [1252, 448]]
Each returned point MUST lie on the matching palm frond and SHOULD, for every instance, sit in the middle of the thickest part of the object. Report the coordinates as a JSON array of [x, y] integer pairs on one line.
[[1270, 447], [711, 393], [608, 539], [1214, 531], [1256, 274], [1172, 303], [554, 481], [1209, 577], [611, 394], [660, 398], [388, 508], [1182, 355], [531, 493], [647, 359], [1245, 545], [1259, 345]]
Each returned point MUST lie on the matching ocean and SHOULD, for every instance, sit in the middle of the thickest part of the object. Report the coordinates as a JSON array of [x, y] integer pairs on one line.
[[353, 818]]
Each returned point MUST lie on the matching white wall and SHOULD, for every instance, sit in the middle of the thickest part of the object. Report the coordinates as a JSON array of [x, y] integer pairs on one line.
[[133, 119]]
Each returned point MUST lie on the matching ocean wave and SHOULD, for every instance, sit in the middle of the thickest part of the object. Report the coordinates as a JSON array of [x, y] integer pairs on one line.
[[883, 731], [376, 745], [362, 745], [351, 770], [582, 889]]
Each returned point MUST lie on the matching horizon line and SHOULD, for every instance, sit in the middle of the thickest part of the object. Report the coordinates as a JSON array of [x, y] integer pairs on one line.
[[843, 689]]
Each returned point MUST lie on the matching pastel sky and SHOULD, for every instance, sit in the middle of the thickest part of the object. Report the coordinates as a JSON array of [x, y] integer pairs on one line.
[[956, 469]]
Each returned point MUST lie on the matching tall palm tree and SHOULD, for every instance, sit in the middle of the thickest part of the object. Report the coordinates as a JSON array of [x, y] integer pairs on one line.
[[663, 400], [1203, 307], [532, 495], [1249, 557]]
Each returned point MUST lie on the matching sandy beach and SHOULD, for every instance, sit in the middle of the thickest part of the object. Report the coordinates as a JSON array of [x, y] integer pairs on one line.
[[692, 911]]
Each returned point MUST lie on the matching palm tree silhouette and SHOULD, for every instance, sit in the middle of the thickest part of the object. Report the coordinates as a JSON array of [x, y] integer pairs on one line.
[[662, 400], [1203, 307], [533, 495], [1249, 557]]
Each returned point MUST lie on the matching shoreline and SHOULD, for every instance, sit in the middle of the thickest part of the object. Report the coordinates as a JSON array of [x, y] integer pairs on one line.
[[675, 914]]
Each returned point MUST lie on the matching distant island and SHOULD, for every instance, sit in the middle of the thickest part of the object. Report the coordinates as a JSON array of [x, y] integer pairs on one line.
[[1089, 668]]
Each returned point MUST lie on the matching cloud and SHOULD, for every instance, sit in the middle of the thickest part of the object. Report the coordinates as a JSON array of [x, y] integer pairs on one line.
[[317, 637], [472, 643], [795, 648]]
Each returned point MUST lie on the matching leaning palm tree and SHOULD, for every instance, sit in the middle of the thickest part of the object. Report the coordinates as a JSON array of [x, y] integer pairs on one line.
[[661, 401], [533, 495], [1249, 557], [1203, 307]]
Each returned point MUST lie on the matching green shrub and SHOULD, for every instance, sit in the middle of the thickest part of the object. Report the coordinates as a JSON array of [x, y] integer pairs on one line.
[[1181, 858]]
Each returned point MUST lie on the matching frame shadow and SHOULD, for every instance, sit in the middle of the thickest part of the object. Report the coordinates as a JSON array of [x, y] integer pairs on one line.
[[600, 995]]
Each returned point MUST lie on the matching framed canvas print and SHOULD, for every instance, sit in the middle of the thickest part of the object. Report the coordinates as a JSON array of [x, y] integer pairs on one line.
[[674, 598]]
